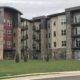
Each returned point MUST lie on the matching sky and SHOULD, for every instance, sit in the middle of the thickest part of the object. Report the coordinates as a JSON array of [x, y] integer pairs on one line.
[[34, 8]]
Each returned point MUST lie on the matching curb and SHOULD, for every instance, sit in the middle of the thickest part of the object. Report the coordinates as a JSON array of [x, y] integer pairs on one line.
[[25, 75], [37, 74]]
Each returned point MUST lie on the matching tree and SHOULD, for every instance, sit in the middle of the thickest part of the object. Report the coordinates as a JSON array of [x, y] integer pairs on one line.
[[25, 58], [47, 58], [17, 58]]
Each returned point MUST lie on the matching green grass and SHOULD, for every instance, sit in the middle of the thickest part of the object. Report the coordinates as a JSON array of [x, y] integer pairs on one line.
[[12, 68]]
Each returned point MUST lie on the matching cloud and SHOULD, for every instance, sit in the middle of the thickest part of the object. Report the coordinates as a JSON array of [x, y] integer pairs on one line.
[[31, 8]]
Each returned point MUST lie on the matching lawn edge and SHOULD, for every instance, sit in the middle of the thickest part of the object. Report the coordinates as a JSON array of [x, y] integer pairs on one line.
[[35, 74]]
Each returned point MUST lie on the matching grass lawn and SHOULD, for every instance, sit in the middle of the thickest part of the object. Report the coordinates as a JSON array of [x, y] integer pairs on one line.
[[10, 67]]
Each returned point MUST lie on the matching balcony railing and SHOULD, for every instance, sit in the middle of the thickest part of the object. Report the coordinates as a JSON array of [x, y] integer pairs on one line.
[[24, 38], [24, 48], [24, 28], [36, 38], [76, 48], [36, 29], [75, 24], [75, 35]]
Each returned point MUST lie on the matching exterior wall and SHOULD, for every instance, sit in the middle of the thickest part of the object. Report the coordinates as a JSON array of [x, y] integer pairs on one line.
[[59, 49], [36, 40], [1, 41], [1, 33], [18, 42], [59, 53], [9, 19], [29, 40], [73, 33], [69, 39], [44, 39], [44, 35], [26, 38]]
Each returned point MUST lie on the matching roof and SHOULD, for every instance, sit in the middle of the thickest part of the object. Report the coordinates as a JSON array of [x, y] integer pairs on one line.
[[38, 18], [54, 15], [7, 7], [22, 19], [73, 8]]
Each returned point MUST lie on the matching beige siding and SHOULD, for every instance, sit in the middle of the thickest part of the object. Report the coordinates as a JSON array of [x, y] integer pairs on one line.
[[1, 41]]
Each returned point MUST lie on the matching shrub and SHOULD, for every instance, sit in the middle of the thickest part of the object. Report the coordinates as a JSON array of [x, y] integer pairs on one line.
[[25, 58], [17, 58], [47, 58]]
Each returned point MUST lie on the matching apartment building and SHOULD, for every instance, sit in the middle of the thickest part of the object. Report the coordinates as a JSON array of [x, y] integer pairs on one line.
[[73, 33], [9, 32], [39, 37], [34, 37], [26, 37], [56, 24], [56, 35]]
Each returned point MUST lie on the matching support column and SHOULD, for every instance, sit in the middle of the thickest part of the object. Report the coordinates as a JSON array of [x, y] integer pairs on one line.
[[69, 38]]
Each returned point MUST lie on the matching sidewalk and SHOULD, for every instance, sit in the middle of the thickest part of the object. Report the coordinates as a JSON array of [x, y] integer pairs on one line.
[[44, 75]]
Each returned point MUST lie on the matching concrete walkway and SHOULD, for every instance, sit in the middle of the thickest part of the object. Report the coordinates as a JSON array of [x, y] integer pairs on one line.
[[46, 75]]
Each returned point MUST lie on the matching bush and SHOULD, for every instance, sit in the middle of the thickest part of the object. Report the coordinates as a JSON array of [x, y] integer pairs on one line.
[[17, 58], [25, 58], [47, 58]]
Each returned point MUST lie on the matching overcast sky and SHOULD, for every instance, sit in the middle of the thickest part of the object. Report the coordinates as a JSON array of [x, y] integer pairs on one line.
[[32, 8]]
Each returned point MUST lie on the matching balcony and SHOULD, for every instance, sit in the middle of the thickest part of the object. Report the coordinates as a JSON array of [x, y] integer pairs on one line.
[[34, 47], [24, 38], [36, 29], [76, 48], [24, 48], [24, 28], [38, 50], [75, 24], [36, 38], [76, 36]]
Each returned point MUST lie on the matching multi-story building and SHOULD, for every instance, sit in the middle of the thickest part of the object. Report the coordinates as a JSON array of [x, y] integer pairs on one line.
[[26, 37], [9, 32], [39, 37], [56, 24], [34, 38], [73, 33], [56, 35]]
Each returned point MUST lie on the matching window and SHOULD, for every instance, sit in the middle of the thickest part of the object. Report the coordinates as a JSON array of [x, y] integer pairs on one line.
[[63, 32], [49, 45], [48, 24], [8, 44], [49, 35], [63, 21], [77, 30], [8, 32], [77, 18], [4, 21], [27, 36], [78, 42], [54, 23], [54, 33], [54, 44], [9, 22], [63, 43], [13, 44], [24, 23], [39, 26]]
